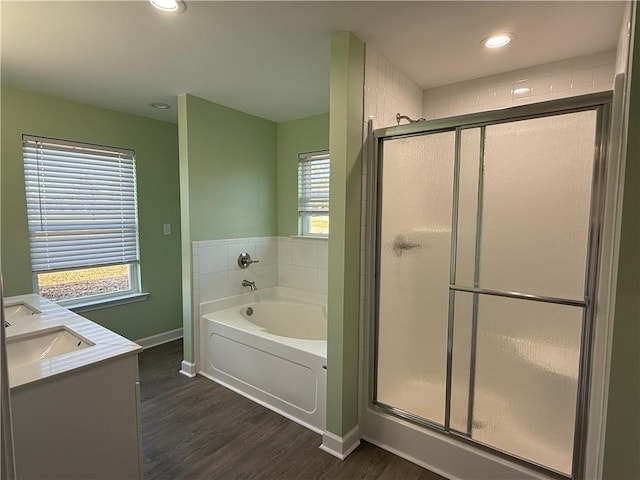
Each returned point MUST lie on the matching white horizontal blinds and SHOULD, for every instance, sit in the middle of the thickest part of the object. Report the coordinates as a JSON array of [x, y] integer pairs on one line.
[[81, 204], [313, 183]]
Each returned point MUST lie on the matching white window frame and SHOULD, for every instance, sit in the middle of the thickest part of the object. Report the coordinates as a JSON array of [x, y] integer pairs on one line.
[[312, 201], [75, 167]]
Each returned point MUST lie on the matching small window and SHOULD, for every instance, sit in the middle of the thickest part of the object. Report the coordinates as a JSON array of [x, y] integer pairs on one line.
[[83, 220], [313, 193]]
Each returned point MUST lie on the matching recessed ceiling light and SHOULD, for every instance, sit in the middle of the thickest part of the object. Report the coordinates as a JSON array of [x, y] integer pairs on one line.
[[497, 40], [160, 105], [175, 6]]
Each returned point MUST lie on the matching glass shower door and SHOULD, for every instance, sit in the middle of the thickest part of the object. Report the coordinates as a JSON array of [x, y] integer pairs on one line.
[[415, 243], [522, 249], [485, 271]]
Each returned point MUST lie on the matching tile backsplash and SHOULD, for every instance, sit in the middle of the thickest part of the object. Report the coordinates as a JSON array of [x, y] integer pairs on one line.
[[285, 261]]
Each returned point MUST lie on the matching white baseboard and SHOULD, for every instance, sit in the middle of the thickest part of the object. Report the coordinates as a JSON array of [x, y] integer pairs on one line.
[[188, 369], [341, 447], [160, 338]]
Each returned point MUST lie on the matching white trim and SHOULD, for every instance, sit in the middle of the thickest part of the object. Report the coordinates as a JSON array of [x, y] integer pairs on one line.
[[160, 338], [188, 369], [98, 302], [341, 447]]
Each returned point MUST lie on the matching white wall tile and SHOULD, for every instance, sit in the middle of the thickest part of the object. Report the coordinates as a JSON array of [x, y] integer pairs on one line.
[[213, 259], [388, 91], [266, 276], [574, 76], [304, 253], [323, 255], [284, 251], [560, 82], [582, 78], [303, 278], [603, 73], [284, 275], [213, 286], [323, 281], [267, 252], [541, 85]]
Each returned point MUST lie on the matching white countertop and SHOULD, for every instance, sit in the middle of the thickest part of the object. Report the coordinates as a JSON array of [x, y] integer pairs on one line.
[[108, 344]]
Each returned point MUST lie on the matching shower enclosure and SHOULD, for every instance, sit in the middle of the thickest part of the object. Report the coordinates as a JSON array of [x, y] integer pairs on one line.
[[486, 250]]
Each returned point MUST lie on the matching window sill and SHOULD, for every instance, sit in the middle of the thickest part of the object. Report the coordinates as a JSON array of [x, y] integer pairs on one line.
[[310, 237], [106, 303]]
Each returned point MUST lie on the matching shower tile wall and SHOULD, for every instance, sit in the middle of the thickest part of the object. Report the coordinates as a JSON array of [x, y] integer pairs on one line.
[[387, 91], [566, 78], [289, 262]]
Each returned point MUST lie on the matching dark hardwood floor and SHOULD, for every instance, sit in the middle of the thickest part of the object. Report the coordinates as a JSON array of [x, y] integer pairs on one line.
[[196, 429]]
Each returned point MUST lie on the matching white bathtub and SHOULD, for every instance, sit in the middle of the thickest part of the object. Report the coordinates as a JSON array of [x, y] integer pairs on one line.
[[275, 355]]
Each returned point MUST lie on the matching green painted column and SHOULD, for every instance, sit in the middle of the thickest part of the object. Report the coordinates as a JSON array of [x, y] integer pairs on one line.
[[185, 229], [345, 145], [622, 434]]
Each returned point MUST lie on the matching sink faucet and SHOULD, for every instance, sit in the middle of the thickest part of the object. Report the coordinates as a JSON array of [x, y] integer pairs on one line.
[[247, 283]]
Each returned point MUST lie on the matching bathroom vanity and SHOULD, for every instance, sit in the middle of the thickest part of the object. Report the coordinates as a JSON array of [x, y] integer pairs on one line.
[[75, 395]]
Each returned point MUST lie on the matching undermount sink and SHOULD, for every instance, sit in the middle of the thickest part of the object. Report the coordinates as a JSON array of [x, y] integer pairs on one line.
[[43, 344], [18, 310]]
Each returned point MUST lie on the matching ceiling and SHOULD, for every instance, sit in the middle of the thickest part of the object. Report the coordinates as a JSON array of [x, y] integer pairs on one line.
[[271, 59]]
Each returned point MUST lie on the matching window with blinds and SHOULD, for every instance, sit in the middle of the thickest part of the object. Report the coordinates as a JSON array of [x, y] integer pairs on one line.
[[313, 193], [82, 217]]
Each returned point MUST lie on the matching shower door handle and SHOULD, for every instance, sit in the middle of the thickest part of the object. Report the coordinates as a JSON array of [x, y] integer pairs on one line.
[[401, 244]]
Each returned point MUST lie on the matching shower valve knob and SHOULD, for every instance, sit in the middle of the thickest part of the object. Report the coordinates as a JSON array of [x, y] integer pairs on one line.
[[244, 260]]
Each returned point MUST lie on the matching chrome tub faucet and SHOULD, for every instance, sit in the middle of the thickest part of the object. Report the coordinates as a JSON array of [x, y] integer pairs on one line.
[[247, 283]]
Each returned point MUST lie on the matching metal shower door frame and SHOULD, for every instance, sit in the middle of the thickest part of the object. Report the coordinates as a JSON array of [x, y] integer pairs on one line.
[[599, 102]]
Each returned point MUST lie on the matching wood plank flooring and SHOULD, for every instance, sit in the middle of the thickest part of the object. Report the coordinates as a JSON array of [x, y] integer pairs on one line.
[[197, 429]]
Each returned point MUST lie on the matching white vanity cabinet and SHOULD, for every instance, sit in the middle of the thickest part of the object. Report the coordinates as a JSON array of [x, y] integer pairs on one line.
[[75, 395], [83, 424]]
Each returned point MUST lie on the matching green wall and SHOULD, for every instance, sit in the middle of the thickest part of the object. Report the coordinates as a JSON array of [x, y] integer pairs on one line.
[[232, 172], [343, 302], [156, 147], [622, 433], [296, 136]]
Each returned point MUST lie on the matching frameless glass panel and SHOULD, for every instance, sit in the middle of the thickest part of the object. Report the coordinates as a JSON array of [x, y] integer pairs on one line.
[[527, 364], [535, 204], [415, 242]]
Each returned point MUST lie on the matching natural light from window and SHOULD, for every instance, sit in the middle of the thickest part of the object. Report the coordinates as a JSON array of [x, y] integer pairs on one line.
[[313, 193], [84, 282]]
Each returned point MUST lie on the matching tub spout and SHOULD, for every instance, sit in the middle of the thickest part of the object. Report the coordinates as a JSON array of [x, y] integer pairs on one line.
[[247, 283]]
